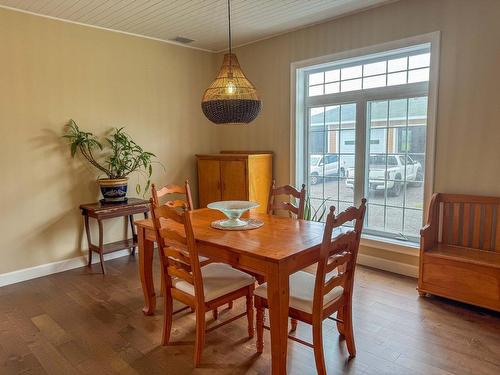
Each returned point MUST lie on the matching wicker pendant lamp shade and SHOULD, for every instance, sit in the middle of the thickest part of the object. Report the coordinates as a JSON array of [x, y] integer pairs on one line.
[[231, 98]]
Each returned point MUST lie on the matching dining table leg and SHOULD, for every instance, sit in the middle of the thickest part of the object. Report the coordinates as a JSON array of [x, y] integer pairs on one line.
[[278, 299], [146, 251]]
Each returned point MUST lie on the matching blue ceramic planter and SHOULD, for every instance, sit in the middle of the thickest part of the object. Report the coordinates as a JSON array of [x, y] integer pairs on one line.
[[113, 190]]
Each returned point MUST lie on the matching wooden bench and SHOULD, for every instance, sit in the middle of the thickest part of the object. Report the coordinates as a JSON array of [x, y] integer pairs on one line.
[[460, 250]]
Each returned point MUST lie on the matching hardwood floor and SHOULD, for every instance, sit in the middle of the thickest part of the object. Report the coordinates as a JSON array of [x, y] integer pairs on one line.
[[83, 322]]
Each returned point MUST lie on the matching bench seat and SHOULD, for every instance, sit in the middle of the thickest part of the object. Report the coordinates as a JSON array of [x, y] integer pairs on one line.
[[470, 255], [460, 250]]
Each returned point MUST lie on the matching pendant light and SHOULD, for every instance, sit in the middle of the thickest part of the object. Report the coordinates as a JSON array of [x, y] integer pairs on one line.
[[231, 98]]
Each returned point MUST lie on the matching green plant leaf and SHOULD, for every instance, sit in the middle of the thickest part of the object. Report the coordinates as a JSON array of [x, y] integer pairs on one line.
[[73, 149], [322, 214]]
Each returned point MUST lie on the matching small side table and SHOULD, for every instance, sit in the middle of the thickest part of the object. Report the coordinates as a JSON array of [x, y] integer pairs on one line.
[[102, 211]]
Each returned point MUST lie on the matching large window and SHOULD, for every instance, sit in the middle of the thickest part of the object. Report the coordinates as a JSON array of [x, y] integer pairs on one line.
[[362, 131]]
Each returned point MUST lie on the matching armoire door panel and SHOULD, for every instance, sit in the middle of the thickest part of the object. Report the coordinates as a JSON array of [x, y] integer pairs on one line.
[[209, 181], [234, 180]]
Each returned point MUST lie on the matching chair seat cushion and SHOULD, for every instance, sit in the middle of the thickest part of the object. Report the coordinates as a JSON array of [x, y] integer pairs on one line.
[[219, 279], [302, 292]]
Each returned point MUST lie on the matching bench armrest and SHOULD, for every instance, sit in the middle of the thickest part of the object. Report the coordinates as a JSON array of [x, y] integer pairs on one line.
[[426, 230], [427, 237], [429, 233]]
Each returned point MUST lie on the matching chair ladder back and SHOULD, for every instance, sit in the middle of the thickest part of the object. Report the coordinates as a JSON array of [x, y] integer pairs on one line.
[[340, 250], [339, 254], [470, 221], [172, 237], [175, 238], [335, 281], [274, 205], [172, 189], [177, 258]]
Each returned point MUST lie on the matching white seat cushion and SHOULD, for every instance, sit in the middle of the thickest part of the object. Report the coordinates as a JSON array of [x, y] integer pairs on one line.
[[302, 292], [219, 279]]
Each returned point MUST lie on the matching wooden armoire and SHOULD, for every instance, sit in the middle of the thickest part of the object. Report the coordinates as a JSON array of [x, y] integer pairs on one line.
[[235, 175]]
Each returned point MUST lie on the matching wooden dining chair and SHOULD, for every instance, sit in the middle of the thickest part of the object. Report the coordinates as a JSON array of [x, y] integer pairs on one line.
[[315, 298], [175, 202], [202, 289], [294, 210], [274, 204], [172, 189]]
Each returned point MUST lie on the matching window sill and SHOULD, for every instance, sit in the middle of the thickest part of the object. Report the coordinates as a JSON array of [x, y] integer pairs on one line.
[[395, 246]]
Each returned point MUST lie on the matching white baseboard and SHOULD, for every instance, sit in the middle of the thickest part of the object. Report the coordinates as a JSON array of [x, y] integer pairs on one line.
[[69, 264], [388, 265], [55, 267]]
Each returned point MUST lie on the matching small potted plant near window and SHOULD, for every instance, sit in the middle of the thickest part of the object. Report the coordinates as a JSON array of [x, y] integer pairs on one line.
[[123, 158]]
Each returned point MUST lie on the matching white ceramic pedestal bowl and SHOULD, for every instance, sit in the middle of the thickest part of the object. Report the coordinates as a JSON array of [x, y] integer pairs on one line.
[[233, 211]]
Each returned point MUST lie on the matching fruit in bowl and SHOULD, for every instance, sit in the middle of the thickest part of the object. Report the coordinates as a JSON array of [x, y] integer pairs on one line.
[[233, 211]]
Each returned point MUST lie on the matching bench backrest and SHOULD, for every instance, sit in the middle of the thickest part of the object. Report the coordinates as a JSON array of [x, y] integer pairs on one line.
[[467, 220]]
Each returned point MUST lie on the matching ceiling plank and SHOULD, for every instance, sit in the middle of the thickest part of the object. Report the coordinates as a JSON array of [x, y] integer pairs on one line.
[[204, 21]]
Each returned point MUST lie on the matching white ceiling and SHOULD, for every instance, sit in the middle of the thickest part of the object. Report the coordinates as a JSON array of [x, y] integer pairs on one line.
[[204, 21]]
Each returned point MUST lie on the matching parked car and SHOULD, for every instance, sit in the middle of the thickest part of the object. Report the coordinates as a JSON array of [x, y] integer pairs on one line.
[[392, 177], [326, 166]]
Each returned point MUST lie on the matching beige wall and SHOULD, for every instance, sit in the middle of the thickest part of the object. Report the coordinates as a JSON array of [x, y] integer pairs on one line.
[[468, 121], [52, 71]]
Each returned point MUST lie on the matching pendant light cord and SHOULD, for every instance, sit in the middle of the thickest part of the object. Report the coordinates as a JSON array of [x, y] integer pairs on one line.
[[230, 43], [229, 18]]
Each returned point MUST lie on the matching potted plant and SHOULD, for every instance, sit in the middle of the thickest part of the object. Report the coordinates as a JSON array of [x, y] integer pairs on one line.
[[315, 214], [123, 158]]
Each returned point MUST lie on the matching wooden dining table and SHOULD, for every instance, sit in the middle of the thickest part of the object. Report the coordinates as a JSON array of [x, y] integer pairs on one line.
[[276, 250]]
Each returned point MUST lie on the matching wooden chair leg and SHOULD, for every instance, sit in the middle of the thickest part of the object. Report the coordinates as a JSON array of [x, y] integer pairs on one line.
[[162, 279], [293, 325], [349, 331], [319, 356], [167, 317], [340, 326], [260, 324], [200, 335], [250, 311], [162, 287], [215, 314]]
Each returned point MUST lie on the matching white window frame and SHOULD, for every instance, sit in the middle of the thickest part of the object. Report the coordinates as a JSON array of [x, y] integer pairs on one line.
[[298, 119]]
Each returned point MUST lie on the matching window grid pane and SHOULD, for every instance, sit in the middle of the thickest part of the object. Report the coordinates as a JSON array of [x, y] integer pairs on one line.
[[386, 72]]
